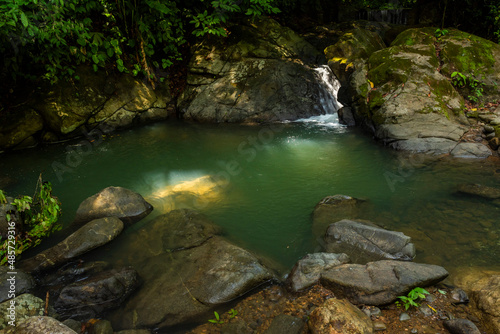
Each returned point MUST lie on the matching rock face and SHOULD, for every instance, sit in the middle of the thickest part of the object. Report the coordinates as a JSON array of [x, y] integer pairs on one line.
[[38, 325], [307, 270], [380, 282], [88, 298], [483, 287], [363, 241], [337, 316], [331, 209], [94, 234], [26, 306], [259, 75], [188, 273], [23, 283], [118, 202]]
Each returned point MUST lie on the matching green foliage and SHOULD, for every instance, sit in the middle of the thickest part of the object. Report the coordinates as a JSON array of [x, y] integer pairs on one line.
[[3, 199], [49, 38], [39, 217], [232, 313], [474, 86], [440, 33], [217, 319], [412, 297]]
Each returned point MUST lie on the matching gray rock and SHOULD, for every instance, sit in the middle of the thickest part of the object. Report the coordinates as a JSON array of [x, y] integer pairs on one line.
[[471, 150], [26, 306], [404, 317], [337, 316], [307, 270], [478, 190], [118, 202], [94, 234], [364, 242], [346, 116], [459, 296], [21, 283], [461, 326], [488, 129], [91, 297], [331, 209], [187, 270], [285, 323], [236, 327], [39, 325], [380, 282], [379, 326], [435, 146]]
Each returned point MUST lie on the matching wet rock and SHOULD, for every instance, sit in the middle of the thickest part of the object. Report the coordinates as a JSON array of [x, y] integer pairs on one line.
[[379, 326], [26, 306], [478, 190], [39, 325], [72, 272], [380, 282], [346, 117], [91, 297], [331, 209], [459, 296], [73, 324], [494, 143], [404, 317], [101, 327], [285, 323], [118, 202], [307, 270], [183, 283], [21, 282], [461, 326], [18, 129], [434, 146], [364, 241], [94, 234], [339, 316], [471, 150]]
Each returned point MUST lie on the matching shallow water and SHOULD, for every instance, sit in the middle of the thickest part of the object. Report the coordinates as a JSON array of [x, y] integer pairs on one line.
[[268, 181]]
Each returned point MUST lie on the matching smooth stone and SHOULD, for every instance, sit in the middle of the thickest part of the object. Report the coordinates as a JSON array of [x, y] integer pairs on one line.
[[73, 324], [488, 129], [39, 325], [101, 327], [379, 326], [94, 234], [461, 326], [404, 317], [425, 310]]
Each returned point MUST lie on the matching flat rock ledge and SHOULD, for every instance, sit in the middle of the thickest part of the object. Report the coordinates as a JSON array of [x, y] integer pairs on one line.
[[380, 282]]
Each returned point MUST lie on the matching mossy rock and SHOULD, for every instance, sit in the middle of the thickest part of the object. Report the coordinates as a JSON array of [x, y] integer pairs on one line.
[[415, 36], [354, 46], [474, 57]]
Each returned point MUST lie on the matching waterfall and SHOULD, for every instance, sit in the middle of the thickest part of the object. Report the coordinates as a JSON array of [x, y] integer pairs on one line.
[[394, 16], [329, 88]]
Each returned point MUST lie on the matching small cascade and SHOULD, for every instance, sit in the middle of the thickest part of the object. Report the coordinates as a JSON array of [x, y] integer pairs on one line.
[[394, 16], [330, 89]]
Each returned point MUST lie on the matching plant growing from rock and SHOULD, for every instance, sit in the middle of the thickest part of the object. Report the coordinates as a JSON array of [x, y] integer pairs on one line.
[[232, 313], [412, 297], [38, 219], [217, 319], [475, 86]]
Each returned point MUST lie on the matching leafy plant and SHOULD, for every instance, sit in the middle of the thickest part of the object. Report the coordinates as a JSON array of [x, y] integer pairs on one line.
[[3, 199], [474, 86], [458, 79], [38, 219], [412, 297], [440, 33], [217, 319], [232, 313]]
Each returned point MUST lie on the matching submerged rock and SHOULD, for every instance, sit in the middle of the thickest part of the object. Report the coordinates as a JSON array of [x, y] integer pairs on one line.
[[363, 241], [471, 150], [380, 282], [89, 298], [337, 316], [187, 270], [334, 208], [307, 270], [478, 190], [94, 234], [118, 202], [39, 325]]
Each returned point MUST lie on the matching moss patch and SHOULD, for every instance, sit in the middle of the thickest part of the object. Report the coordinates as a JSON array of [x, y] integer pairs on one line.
[[415, 36]]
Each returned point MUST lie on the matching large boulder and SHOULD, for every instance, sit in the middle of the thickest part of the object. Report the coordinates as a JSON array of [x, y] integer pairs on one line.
[[19, 283], [94, 234], [483, 288], [363, 241], [118, 202], [187, 270], [90, 297], [39, 325], [380, 282], [260, 74], [331, 209], [307, 270], [336, 316], [20, 129]]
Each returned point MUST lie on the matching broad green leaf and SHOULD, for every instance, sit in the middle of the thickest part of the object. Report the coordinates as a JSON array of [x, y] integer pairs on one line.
[[24, 19]]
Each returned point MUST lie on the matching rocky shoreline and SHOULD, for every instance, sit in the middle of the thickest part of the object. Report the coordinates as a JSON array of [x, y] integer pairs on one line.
[[185, 271]]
